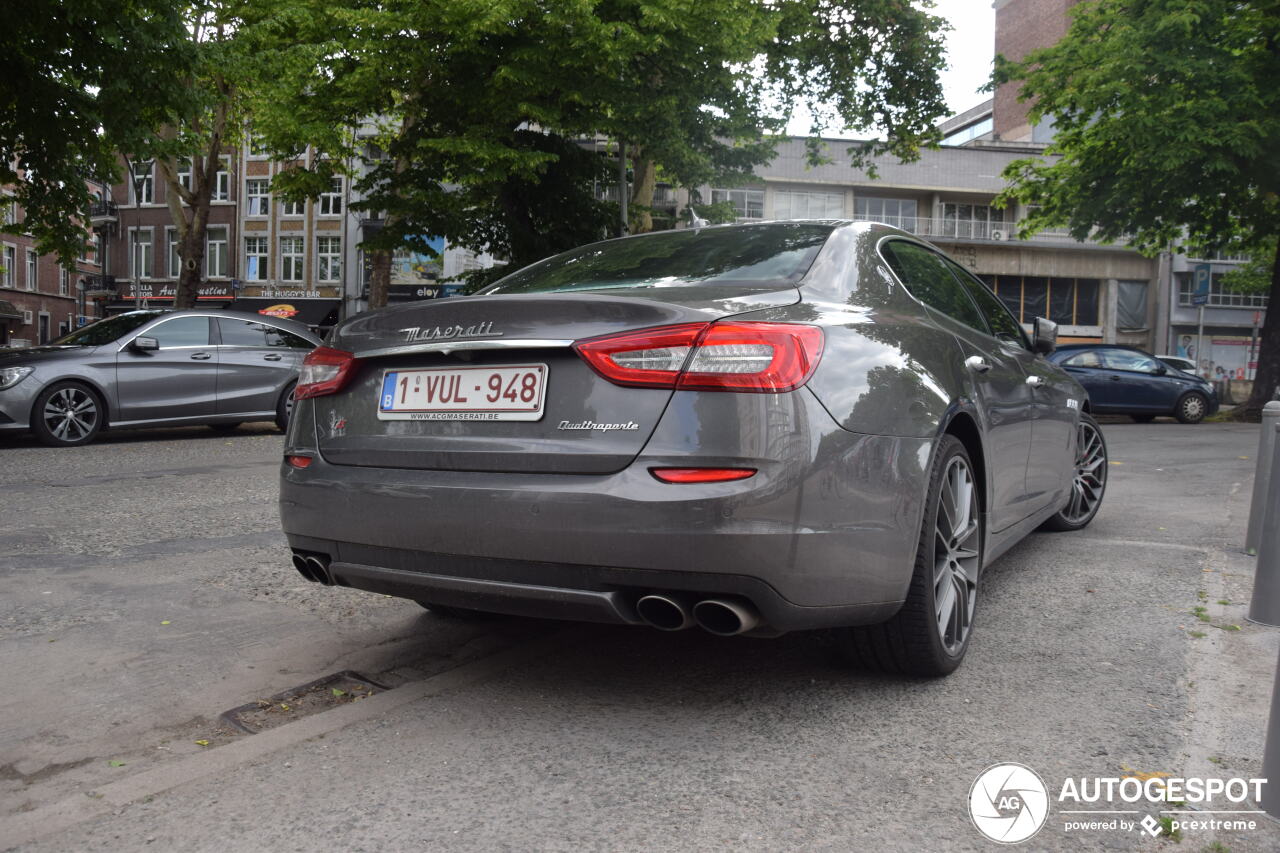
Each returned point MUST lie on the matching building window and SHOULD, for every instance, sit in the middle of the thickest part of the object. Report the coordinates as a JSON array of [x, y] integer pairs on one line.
[[1219, 295], [8, 212], [175, 262], [799, 205], [7, 262], [215, 252], [747, 204], [184, 175], [257, 197], [898, 212], [331, 202], [64, 281], [329, 252], [148, 186], [33, 269], [291, 259], [970, 220], [294, 208], [222, 181], [141, 256], [1065, 301], [255, 258]]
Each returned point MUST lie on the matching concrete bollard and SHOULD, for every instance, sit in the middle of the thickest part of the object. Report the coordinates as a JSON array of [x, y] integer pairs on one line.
[[1269, 802], [1262, 476], [1264, 606]]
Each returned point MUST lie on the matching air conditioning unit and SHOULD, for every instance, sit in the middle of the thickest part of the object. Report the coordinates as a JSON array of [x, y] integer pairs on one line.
[[999, 234], [27, 317]]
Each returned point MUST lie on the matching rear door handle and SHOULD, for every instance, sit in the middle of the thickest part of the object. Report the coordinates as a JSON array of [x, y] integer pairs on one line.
[[272, 357], [200, 356], [1115, 378], [976, 364], [1035, 381]]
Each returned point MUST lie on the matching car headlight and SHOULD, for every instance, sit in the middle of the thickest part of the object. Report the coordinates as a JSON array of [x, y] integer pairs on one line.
[[10, 376]]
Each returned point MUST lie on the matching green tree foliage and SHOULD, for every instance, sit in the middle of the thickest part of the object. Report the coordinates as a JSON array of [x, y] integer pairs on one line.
[[79, 81], [1168, 131], [479, 104]]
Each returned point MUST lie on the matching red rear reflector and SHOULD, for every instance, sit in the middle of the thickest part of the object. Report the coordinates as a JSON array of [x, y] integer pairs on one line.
[[701, 475], [298, 461], [747, 356], [324, 371]]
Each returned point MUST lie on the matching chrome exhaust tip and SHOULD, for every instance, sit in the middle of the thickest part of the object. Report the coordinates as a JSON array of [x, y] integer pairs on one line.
[[300, 563], [664, 612], [725, 618], [319, 570]]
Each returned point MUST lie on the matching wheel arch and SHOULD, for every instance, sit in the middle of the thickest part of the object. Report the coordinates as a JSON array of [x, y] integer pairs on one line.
[[104, 401], [964, 427]]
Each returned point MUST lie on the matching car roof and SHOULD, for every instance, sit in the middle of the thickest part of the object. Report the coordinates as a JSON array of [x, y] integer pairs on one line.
[[266, 319]]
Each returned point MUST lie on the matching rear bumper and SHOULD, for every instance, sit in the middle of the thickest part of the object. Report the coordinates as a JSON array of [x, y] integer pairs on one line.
[[824, 534]]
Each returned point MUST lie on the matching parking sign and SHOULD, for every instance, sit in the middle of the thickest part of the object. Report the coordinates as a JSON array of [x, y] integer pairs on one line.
[[1202, 279]]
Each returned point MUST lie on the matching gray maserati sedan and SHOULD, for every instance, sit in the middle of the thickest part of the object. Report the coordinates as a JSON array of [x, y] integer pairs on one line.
[[753, 429], [154, 368]]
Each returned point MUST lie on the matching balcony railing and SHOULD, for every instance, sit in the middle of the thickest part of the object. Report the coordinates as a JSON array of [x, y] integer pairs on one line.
[[940, 227], [102, 212], [99, 285]]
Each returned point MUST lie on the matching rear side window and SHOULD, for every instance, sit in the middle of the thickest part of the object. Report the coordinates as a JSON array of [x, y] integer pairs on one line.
[[241, 333], [181, 332], [288, 340], [780, 253], [999, 320], [927, 277]]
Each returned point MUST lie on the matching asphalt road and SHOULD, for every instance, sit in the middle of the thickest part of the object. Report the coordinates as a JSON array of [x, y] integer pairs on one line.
[[147, 590]]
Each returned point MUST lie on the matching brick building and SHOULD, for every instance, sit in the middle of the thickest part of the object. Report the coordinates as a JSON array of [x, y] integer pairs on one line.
[[40, 298]]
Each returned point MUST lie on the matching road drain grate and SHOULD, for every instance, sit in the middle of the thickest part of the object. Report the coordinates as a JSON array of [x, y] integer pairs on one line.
[[340, 688]]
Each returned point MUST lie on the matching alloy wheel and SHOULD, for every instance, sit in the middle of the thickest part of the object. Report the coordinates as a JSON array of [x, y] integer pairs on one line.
[[70, 414], [956, 556], [1090, 477], [1193, 407]]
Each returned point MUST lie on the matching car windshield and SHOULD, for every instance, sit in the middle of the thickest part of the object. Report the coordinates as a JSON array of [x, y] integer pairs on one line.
[[723, 256], [106, 331]]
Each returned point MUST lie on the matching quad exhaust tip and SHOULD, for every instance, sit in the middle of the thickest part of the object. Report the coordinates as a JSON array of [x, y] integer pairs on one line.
[[313, 567], [725, 618], [664, 612]]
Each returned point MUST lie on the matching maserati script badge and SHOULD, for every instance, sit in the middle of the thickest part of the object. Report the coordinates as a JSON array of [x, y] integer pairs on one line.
[[416, 334]]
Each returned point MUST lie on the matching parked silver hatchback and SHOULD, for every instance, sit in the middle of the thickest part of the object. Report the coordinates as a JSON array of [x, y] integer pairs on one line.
[[154, 368]]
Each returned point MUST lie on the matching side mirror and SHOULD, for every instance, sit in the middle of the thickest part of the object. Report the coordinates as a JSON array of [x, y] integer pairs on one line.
[[1161, 370], [143, 344], [1045, 337]]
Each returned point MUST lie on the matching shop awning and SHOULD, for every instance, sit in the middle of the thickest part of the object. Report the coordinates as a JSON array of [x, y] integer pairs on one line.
[[8, 311], [308, 312]]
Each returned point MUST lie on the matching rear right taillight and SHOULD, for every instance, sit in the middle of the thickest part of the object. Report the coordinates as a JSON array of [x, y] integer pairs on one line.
[[324, 371], [729, 356]]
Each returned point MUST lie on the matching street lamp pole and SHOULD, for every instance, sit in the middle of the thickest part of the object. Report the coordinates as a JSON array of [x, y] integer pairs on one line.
[[139, 182]]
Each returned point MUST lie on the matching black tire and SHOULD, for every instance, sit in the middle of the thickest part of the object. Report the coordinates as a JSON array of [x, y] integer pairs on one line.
[[1089, 479], [1191, 408], [1143, 419], [67, 414], [225, 427], [461, 614], [913, 642], [284, 407]]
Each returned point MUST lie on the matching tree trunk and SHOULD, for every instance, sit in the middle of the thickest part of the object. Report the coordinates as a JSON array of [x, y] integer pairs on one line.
[[1267, 376], [379, 278], [191, 252], [646, 179]]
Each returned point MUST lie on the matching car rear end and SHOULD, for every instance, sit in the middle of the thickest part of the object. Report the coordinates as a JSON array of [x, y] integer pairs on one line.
[[616, 454]]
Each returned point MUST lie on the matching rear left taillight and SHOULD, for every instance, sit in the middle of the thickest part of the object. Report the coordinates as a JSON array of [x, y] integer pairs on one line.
[[745, 356], [324, 371]]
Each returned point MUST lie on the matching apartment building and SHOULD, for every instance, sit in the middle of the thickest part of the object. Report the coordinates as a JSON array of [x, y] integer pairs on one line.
[[40, 298]]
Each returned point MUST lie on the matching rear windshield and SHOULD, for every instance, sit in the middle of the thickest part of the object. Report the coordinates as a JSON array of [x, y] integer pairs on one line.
[[725, 256]]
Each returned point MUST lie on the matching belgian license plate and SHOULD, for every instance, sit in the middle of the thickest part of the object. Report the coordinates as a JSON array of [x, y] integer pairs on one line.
[[513, 392]]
